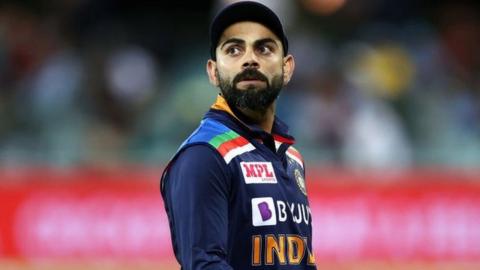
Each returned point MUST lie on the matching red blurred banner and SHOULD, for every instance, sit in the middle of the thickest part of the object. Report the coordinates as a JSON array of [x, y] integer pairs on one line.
[[118, 213], [417, 217]]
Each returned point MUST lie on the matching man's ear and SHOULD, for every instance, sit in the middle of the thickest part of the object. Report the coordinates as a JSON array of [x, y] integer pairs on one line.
[[288, 68], [211, 71]]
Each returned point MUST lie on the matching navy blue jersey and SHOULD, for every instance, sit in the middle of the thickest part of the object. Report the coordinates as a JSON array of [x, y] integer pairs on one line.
[[235, 197]]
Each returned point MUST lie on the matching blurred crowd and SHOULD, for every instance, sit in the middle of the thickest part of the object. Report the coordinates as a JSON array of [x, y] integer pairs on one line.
[[378, 84]]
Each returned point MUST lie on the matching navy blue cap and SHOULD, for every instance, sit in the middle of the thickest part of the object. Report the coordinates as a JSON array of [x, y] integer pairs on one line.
[[245, 11]]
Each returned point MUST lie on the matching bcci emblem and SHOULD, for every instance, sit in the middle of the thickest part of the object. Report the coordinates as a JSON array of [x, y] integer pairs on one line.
[[300, 181]]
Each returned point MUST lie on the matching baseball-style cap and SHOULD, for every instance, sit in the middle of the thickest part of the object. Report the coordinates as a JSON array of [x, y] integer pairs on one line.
[[245, 11]]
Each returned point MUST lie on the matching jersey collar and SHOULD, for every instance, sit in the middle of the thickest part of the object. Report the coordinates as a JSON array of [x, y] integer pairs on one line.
[[279, 129]]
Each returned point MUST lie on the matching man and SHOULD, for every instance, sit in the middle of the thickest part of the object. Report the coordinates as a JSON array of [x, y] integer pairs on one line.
[[235, 192]]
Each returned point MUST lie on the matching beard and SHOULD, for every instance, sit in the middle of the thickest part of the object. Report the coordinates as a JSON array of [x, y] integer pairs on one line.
[[252, 98]]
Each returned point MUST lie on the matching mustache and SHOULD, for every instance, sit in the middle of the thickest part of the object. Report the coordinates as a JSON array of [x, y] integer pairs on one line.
[[250, 74]]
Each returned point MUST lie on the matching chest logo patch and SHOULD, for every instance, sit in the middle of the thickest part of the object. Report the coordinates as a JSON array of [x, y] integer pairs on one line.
[[263, 212], [258, 173]]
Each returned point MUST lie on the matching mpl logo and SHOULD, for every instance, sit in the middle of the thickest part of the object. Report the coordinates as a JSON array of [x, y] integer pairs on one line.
[[263, 212], [258, 173]]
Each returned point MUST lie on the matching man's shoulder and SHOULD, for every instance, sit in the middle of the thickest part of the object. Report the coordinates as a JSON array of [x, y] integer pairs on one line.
[[207, 131], [295, 155], [201, 147], [203, 152], [197, 153], [227, 142]]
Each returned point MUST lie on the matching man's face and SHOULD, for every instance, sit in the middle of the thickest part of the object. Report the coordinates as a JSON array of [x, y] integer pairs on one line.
[[249, 68]]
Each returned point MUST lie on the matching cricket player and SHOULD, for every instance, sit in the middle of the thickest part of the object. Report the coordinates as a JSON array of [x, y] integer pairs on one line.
[[235, 191]]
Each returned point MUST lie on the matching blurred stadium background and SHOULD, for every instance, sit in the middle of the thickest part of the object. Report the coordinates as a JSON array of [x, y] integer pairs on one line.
[[95, 96]]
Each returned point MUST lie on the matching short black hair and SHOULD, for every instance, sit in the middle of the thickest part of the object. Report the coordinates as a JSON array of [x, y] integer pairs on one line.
[[245, 11]]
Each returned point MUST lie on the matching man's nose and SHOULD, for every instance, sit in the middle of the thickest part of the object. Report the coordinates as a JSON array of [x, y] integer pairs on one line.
[[250, 61], [250, 64]]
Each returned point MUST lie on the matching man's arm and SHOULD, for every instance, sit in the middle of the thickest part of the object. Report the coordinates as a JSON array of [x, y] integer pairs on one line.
[[196, 194]]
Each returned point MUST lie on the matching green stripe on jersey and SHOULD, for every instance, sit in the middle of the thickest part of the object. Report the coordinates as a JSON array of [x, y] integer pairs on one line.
[[224, 137]]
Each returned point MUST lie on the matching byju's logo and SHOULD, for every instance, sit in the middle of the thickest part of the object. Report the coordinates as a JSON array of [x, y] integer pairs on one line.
[[263, 212]]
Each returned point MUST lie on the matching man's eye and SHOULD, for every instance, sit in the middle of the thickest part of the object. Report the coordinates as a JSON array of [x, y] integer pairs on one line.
[[265, 49], [233, 50]]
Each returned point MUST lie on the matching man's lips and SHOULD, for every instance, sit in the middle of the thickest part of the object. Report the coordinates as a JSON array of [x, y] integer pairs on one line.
[[249, 83], [252, 81]]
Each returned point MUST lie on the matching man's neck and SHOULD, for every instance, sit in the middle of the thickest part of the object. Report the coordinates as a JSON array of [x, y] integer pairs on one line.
[[262, 119]]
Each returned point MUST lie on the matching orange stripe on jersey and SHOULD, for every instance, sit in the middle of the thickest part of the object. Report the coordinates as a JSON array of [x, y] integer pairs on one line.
[[222, 105]]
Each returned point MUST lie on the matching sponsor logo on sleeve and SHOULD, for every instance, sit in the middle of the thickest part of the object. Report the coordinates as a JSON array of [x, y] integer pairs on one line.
[[300, 182], [258, 173]]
